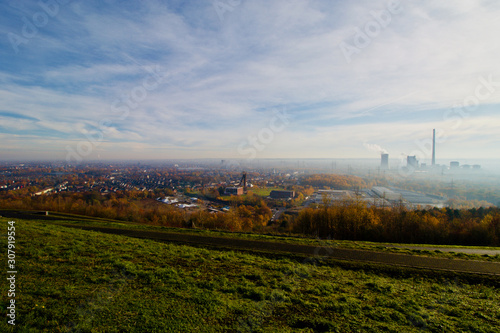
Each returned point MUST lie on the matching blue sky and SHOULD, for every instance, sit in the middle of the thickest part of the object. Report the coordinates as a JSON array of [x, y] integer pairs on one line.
[[85, 80]]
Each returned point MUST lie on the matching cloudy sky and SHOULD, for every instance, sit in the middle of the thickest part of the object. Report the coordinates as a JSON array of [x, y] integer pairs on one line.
[[84, 80]]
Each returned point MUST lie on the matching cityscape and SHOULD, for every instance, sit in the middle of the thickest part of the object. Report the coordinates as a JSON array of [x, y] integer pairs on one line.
[[250, 166]]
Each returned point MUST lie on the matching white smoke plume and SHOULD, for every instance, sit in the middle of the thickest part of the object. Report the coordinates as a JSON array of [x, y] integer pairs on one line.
[[374, 147]]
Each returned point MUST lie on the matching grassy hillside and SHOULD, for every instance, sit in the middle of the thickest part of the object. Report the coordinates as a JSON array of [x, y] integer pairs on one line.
[[66, 218], [82, 281]]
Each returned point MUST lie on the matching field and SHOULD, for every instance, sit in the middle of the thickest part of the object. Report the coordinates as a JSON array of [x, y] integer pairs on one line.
[[264, 191], [73, 280]]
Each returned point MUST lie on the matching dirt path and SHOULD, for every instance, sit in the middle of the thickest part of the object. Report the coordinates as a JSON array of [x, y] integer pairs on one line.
[[445, 249], [455, 265]]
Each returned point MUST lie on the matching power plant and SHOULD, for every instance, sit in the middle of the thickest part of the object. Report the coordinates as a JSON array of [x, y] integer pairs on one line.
[[384, 163], [413, 163]]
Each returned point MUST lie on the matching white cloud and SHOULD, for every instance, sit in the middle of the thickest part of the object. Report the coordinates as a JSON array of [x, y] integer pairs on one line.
[[224, 78]]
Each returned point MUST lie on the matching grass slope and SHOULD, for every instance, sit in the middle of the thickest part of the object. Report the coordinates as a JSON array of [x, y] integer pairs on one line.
[[66, 218], [82, 281]]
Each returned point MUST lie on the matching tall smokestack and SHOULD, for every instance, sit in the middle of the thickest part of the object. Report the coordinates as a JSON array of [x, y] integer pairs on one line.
[[433, 147]]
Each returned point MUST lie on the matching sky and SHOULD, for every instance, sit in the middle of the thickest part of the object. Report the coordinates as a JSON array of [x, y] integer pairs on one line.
[[244, 79]]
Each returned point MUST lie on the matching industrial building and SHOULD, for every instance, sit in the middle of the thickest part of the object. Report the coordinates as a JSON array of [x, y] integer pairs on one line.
[[234, 191], [384, 163], [386, 193], [411, 199], [412, 162], [282, 194]]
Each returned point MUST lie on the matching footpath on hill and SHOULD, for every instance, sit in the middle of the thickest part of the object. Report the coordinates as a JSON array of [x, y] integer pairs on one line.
[[443, 264]]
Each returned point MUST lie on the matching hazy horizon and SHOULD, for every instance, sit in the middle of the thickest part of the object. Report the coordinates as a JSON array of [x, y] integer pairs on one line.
[[489, 165]]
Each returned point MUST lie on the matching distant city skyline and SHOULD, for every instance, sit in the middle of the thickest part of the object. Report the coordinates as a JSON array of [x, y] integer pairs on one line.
[[91, 80]]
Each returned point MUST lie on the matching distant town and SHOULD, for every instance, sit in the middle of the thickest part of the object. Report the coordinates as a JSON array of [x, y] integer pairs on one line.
[[203, 184]]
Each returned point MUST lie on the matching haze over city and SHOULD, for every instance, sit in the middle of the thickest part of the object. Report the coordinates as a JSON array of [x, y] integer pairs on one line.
[[250, 165], [248, 79]]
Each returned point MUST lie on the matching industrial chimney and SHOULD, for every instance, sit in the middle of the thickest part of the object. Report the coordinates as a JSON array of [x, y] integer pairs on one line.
[[433, 147]]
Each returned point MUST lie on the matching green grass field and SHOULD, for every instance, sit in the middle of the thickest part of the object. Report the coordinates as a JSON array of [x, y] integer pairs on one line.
[[82, 281], [264, 191]]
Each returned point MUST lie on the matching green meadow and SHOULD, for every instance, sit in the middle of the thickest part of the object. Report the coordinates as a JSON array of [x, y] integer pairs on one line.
[[72, 280]]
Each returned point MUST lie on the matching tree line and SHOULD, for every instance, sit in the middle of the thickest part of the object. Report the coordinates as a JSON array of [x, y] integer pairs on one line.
[[140, 206], [354, 220], [339, 182], [349, 220]]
